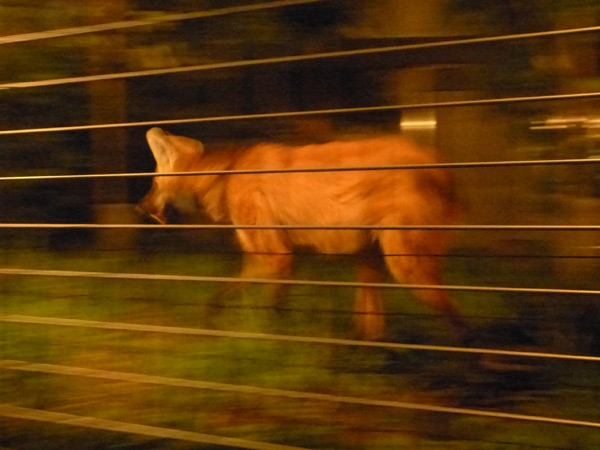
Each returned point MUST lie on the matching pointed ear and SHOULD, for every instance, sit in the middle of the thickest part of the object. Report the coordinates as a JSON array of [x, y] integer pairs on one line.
[[160, 149], [187, 145], [167, 148]]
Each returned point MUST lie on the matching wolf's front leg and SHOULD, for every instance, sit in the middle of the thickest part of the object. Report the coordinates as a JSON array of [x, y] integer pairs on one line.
[[369, 319], [265, 267], [258, 268]]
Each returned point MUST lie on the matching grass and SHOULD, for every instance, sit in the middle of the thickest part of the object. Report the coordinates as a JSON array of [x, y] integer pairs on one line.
[[553, 389]]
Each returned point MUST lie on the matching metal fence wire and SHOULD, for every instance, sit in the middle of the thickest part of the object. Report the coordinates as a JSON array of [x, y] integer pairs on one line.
[[357, 415]]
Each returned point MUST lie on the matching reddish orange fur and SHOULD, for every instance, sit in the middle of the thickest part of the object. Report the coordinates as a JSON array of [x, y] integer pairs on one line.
[[361, 198]]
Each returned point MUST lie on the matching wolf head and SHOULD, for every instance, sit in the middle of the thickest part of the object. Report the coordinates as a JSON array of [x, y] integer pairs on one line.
[[170, 200]]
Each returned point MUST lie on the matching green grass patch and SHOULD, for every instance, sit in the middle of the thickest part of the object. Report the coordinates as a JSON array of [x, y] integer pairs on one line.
[[553, 389]]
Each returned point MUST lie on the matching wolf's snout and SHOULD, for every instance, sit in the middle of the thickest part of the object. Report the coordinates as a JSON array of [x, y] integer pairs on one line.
[[151, 216]]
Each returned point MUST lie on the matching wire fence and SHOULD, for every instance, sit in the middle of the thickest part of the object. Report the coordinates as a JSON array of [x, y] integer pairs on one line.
[[292, 58], [10, 411]]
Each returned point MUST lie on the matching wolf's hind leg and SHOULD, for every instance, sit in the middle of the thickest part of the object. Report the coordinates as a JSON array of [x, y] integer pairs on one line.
[[415, 257]]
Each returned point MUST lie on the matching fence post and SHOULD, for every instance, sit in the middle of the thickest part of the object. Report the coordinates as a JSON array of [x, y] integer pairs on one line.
[[108, 104]]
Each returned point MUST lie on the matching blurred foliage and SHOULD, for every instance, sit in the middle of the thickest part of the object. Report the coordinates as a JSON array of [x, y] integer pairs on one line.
[[509, 68], [531, 66]]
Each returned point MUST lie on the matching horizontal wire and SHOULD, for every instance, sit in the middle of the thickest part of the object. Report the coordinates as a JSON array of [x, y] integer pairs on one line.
[[103, 226], [288, 282], [58, 418], [293, 58], [111, 26], [226, 251], [296, 395], [455, 165], [120, 25], [185, 331], [449, 104]]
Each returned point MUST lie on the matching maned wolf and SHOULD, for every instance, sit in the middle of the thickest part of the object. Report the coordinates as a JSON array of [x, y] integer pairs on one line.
[[362, 198]]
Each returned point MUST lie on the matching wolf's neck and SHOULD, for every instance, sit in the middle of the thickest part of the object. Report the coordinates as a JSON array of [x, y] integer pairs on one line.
[[218, 160], [211, 189]]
